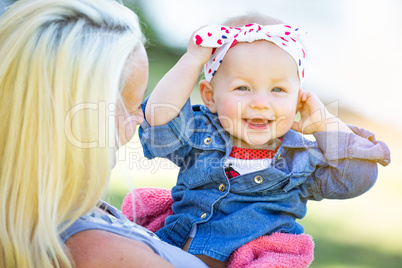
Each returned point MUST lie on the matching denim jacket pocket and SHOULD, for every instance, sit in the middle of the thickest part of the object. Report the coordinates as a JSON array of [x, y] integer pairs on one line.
[[205, 140], [199, 171], [257, 182], [192, 182]]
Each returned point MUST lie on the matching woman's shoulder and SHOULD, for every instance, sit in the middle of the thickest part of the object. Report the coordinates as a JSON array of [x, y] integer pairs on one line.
[[99, 239], [106, 238], [113, 221], [99, 248]]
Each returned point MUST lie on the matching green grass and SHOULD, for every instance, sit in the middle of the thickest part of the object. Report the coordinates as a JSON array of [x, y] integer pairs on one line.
[[329, 253]]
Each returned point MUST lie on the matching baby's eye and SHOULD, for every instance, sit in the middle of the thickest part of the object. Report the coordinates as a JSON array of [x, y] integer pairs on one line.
[[277, 89], [242, 88]]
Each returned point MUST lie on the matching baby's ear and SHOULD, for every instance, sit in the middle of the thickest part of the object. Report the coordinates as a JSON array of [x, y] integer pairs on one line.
[[207, 95]]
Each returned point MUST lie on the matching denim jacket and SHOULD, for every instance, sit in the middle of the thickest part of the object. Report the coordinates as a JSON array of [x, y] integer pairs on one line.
[[230, 213]]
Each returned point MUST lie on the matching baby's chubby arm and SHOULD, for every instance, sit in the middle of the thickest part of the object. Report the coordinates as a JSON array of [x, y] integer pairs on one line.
[[315, 117], [174, 89], [350, 167]]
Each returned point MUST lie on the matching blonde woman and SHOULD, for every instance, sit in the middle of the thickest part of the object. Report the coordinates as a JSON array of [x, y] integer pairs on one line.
[[72, 74]]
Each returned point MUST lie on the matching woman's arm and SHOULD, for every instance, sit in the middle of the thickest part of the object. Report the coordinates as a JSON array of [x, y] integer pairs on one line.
[[174, 89], [96, 248]]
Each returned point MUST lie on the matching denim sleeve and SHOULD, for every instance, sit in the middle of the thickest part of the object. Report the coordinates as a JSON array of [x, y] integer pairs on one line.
[[170, 140], [350, 165]]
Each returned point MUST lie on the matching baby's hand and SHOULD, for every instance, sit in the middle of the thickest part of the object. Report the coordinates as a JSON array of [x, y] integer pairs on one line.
[[200, 53], [314, 116]]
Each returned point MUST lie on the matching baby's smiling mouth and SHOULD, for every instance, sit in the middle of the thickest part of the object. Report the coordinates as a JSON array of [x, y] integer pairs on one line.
[[257, 122]]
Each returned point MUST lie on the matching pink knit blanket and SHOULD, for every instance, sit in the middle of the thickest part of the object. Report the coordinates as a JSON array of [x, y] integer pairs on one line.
[[153, 205]]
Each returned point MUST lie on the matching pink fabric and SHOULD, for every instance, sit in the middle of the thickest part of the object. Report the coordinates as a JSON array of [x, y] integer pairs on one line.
[[151, 208], [153, 205], [275, 250]]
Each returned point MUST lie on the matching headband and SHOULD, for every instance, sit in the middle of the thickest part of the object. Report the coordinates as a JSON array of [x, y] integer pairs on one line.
[[222, 38]]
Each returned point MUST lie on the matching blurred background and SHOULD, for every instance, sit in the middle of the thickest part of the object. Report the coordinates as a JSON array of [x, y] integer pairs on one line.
[[355, 67]]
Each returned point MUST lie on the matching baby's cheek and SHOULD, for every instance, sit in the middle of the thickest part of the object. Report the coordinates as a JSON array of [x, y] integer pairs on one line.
[[286, 122], [228, 116], [227, 123]]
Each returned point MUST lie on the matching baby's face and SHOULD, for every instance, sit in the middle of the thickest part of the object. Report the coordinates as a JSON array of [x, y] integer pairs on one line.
[[256, 92]]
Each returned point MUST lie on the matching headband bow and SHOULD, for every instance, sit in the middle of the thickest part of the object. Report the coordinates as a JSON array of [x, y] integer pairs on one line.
[[222, 38]]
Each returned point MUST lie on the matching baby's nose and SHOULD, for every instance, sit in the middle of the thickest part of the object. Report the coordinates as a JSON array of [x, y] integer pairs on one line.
[[260, 101]]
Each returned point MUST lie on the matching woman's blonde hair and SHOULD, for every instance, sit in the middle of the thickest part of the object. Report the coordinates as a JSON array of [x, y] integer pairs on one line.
[[61, 62]]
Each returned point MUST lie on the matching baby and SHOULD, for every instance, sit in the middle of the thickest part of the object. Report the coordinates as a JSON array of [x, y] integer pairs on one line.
[[246, 170]]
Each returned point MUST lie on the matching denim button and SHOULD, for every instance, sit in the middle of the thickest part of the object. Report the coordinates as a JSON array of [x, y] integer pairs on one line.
[[222, 187], [203, 216], [279, 156], [258, 179], [207, 140]]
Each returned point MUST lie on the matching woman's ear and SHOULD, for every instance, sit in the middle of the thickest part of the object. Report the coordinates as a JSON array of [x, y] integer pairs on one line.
[[207, 95]]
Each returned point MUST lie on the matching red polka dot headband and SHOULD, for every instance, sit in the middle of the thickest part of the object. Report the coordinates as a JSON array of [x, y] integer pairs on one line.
[[222, 38]]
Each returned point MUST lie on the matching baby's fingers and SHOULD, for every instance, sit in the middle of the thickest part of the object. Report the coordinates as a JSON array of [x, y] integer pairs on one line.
[[305, 95]]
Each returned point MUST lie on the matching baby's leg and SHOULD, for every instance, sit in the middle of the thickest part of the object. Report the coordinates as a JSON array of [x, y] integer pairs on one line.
[[212, 263]]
